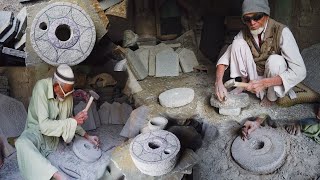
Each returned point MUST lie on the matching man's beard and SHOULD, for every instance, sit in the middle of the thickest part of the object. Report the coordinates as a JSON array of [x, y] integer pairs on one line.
[[59, 98], [257, 31]]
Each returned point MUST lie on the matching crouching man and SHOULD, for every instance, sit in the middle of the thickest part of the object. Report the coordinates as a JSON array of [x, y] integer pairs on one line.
[[49, 118]]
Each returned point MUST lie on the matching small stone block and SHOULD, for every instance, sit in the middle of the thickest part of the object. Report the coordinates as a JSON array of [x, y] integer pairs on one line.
[[230, 112], [167, 63], [6, 22], [187, 59]]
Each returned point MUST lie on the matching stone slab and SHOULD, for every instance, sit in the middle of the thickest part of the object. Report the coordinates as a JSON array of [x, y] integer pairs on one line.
[[22, 17], [12, 116], [176, 97], [119, 113], [155, 153], [230, 111], [9, 36], [90, 123], [187, 60], [137, 119], [19, 45], [14, 52], [6, 22], [311, 59], [105, 4], [233, 101], [143, 54], [167, 63], [62, 37], [136, 65], [263, 153], [152, 57], [104, 113]]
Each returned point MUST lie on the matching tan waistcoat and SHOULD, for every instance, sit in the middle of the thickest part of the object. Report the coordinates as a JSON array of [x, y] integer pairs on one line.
[[270, 44]]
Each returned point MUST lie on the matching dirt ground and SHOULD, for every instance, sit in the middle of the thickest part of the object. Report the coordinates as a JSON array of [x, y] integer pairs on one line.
[[302, 160]]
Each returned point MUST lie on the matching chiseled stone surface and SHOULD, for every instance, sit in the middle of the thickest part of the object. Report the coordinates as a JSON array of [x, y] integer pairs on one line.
[[155, 153], [152, 56], [85, 150], [19, 45], [263, 153], [136, 65], [176, 97], [187, 59], [22, 17], [62, 32], [233, 101], [167, 63], [12, 116], [143, 54], [8, 36], [90, 123]]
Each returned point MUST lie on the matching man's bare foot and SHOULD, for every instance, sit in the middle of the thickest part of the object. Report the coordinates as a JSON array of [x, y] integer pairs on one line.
[[237, 90], [293, 129], [266, 102], [59, 176]]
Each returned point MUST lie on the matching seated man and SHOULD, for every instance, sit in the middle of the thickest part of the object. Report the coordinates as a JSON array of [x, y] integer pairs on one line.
[[49, 118], [265, 55]]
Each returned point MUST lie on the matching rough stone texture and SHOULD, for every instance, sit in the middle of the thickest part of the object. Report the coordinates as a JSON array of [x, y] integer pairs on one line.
[[63, 33], [167, 63], [119, 113], [187, 59], [311, 60], [14, 52], [85, 150], [136, 65], [176, 97], [155, 153], [263, 153], [8, 149], [104, 113], [12, 116], [11, 33], [157, 123], [22, 17], [137, 119], [143, 54], [152, 57], [6, 22], [230, 111], [233, 101]]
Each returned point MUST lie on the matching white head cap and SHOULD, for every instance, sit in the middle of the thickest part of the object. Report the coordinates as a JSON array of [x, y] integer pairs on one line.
[[64, 74]]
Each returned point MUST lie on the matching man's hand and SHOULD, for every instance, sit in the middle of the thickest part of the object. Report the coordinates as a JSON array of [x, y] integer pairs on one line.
[[81, 117], [256, 86], [93, 139], [248, 128], [220, 91]]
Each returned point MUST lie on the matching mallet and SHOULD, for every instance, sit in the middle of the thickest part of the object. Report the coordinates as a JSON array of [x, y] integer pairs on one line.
[[233, 83], [95, 96]]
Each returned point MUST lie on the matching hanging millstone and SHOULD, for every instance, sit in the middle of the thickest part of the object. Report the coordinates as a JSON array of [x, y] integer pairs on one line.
[[155, 153], [85, 150], [63, 32], [263, 153]]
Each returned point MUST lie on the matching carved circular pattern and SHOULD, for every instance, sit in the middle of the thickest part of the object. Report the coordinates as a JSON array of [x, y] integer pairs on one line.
[[63, 32]]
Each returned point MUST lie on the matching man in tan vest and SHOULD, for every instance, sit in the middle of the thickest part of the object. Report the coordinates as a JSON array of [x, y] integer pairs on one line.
[[265, 54]]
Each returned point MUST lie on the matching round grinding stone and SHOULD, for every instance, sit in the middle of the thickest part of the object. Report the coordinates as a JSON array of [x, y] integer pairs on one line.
[[62, 32], [155, 153], [263, 153], [85, 150]]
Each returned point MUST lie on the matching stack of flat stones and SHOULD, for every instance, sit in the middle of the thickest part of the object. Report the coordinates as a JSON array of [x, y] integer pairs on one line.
[[4, 85], [12, 29], [232, 105]]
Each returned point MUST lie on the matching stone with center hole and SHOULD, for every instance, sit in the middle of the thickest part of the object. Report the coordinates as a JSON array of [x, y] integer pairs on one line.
[[155, 153], [263, 153]]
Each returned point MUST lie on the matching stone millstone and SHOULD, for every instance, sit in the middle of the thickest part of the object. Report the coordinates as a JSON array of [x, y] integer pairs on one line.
[[233, 101], [63, 33], [85, 150], [263, 153], [176, 97], [155, 153]]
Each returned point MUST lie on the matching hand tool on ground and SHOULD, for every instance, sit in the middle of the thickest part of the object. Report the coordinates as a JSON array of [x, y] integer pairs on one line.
[[233, 83], [95, 96]]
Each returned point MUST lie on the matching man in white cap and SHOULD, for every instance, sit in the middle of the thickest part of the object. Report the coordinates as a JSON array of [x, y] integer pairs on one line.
[[264, 54], [49, 118]]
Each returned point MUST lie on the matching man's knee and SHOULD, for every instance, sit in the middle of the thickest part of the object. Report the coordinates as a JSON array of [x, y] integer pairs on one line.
[[276, 62], [25, 139]]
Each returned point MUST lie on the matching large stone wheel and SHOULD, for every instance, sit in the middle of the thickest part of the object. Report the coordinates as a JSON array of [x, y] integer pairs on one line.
[[263, 153], [63, 33]]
